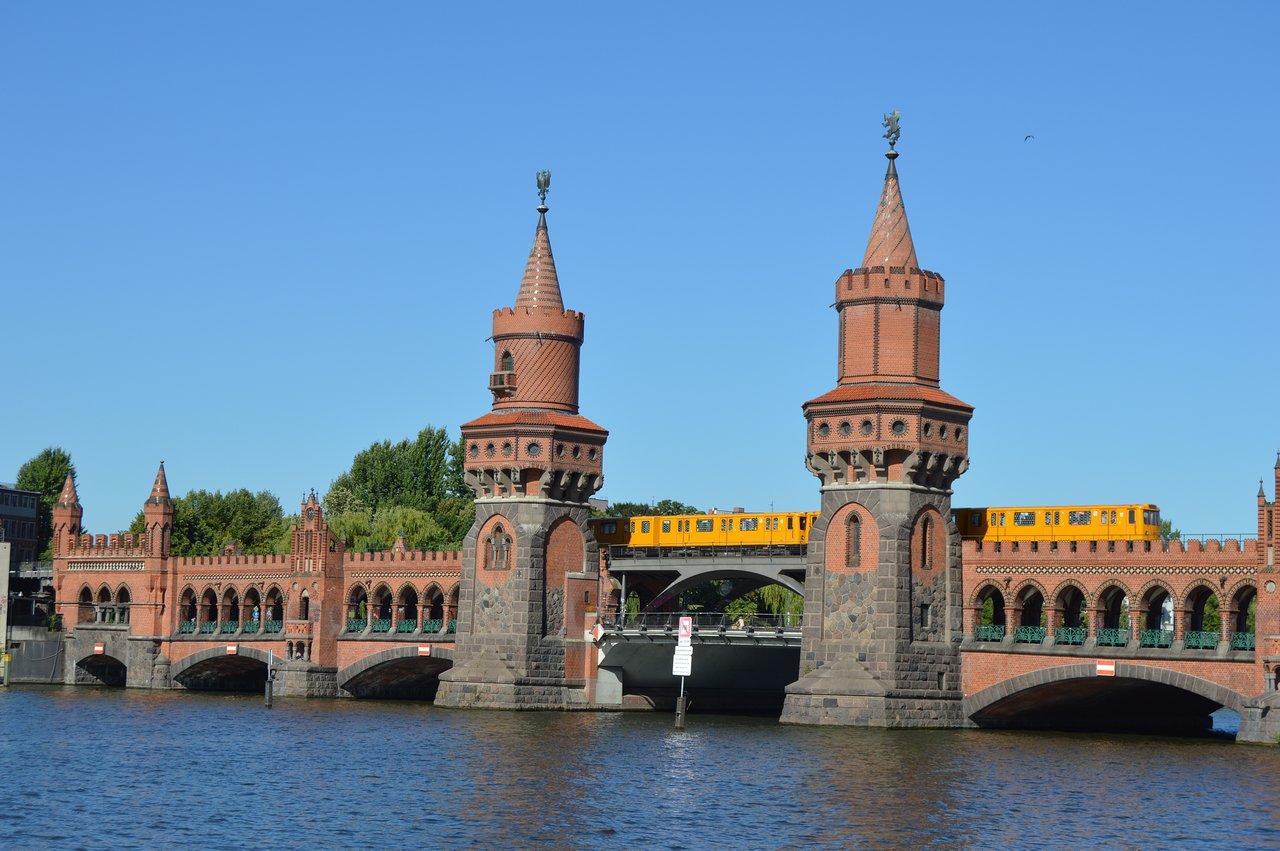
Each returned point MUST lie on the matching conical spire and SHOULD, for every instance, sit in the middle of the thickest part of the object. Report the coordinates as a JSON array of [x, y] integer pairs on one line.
[[890, 241], [540, 288], [68, 497], [160, 490]]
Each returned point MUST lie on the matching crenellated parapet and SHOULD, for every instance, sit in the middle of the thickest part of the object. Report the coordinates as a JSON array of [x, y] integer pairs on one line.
[[989, 556], [890, 283]]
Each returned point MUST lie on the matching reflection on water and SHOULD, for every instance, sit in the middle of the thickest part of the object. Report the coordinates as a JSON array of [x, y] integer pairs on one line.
[[100, 767]]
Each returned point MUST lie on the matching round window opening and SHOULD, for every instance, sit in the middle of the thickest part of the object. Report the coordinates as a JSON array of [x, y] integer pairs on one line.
[[559, 450], [534, 449], [846, 429], [488, 449], [475, 450], [823, 429], [577, 450], [942, 432], [867, 427], [506, 449], [928, 429], [898, 427], [959, 433], [591, 453]]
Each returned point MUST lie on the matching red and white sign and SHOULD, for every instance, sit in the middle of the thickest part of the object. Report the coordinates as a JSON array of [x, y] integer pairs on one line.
[[597, 632], [424, 649], [685, 635], [1106, 667], [233, 649], [99, 649]]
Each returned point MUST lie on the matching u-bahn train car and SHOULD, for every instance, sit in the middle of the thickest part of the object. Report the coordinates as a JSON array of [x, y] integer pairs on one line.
[[680, 531], [1130, 522]]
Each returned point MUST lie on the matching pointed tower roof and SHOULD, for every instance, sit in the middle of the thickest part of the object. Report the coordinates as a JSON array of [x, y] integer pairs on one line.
[[159, 490], [540, 287], [890, 241], [68, 497]]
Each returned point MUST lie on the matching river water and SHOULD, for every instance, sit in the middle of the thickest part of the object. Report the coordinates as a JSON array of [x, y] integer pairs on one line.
[[98, 768]]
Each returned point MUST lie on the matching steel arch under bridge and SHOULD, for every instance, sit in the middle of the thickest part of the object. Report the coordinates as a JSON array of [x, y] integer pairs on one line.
[[683, 568]]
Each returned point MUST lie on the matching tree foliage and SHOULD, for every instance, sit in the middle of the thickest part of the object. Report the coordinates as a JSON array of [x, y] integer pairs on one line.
[[46, 473], [1168, 533], [204, 523], [643, 509], [414, 487]]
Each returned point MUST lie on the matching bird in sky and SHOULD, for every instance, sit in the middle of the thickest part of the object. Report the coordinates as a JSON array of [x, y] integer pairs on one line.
[[1027, 137]]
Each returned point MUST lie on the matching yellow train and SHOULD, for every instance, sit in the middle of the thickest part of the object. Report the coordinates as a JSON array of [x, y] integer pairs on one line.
[[1132, 522], [678, 531]]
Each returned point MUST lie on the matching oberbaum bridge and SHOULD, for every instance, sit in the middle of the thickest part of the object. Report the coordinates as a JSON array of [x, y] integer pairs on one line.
[[525, 616]]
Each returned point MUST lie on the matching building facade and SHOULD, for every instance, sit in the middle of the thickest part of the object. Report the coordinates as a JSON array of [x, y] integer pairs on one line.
[[20, 522]]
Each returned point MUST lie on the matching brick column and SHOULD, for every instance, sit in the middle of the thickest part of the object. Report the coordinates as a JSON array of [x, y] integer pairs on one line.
[[1012, 617]]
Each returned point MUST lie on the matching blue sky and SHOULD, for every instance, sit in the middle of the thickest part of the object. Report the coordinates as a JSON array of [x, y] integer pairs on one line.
[[250, 239]]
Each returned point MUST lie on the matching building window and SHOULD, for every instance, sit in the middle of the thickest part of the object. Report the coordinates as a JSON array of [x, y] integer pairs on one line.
[[497, 549], [926, 617], [853, 556], [508, 362]]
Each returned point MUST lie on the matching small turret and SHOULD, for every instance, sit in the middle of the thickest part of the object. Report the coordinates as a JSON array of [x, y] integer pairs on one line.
[[157, 514], [67, 517]]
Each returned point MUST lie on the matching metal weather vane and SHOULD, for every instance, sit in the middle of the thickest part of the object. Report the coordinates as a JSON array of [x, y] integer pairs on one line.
[[544, 183], [892, 130]]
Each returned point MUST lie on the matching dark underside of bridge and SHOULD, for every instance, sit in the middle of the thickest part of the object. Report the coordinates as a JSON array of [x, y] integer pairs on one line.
[[101, 671], [412, 678], [226, 673], [1103, 704]]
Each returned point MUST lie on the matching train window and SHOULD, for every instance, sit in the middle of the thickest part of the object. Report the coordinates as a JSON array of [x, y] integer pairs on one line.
[[1024, 518], [644, 526], [994, 519], [633, 526], [1057, 518], [1001, 518], [666, 525], [1113, 518], [608, 527], [704, 525], [791, 522], [1048, 518], [1077, 518], [724, 525], [1132, 516], [803, 521], [975, 519], [748, 524]]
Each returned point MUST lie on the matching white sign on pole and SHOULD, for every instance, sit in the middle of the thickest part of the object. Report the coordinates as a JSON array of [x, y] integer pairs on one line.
[[684, 638], [682, 662]]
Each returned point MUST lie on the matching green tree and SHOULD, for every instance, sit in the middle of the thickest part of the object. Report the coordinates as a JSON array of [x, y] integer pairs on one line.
[[423, 476], [205, 522], [641, 509], [1168, 533], [46, 473]]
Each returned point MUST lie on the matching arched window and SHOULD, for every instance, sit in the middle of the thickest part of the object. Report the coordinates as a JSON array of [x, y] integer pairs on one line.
[[304, 606], [508, 362], [497, 549], [927, 544], [853, 543]]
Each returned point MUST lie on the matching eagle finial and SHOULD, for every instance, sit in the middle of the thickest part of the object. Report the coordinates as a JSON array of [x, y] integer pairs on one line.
[[544, 183]]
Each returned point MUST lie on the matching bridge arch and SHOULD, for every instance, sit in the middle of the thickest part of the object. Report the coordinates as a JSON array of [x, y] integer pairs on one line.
[[1139, 697], [213, 669], [101, 669], [397, 672]]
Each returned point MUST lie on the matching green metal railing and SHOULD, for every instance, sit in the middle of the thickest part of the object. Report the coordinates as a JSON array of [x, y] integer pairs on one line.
[[1070, 635], [406, 625], [453, 627], [1029, 634], [989, 632], [1243, 641], [229, 626], [432, 625], [208, 627], [356, 625], [1113, 637], [252, 626], [382, 625], [1155, 638], [272, 626], [1200, 639], [187, 626]]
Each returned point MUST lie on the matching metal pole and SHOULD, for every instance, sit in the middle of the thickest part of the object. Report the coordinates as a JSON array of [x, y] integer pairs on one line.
[[271, 679], [680, 707]]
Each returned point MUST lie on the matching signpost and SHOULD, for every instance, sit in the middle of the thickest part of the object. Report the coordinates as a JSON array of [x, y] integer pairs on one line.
[[682, 664]]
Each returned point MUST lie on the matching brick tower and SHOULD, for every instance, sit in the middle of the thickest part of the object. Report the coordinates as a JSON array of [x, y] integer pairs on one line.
[[530, 566], [67, 517], [882, 616]]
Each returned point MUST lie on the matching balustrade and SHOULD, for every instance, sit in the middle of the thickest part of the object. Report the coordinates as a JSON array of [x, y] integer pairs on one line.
[[1073, 635], [404, 625], [990, 632], [188, 626], [432, 625], [382, 625], [272, 626], [1029, 634], [1113, 637], [356, 625], [1201, 639], [229, 627], [1155, 638], [208, 627], [1243, 641]]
